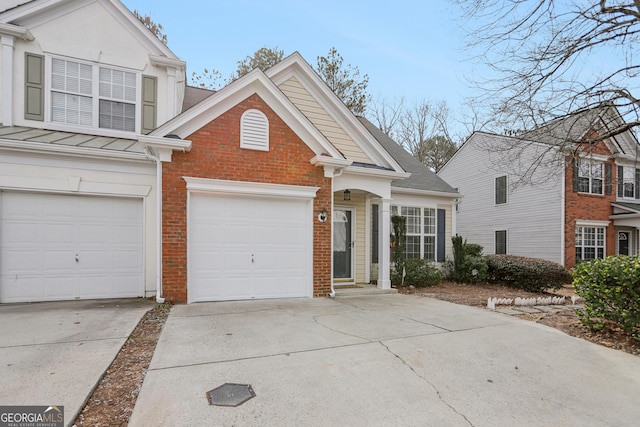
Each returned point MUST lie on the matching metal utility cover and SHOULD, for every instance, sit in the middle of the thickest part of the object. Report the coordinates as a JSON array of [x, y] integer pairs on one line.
[[229, 394]]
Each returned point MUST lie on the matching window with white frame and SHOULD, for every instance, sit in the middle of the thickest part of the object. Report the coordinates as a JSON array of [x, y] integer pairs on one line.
[[501, 190], [590, 243], [590, 176], [421, 227], [627, 189], [93, 95]]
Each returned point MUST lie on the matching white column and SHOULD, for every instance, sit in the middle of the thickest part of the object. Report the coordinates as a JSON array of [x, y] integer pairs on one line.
[[6, 83], [384, 251]]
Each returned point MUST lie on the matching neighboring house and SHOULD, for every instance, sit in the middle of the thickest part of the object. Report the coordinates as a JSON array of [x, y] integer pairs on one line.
[[80, 82], [524, 196], [118, 180]]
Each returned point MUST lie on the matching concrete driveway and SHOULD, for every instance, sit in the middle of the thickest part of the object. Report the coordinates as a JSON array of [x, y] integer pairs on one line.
[[381, 360], [54, 353]]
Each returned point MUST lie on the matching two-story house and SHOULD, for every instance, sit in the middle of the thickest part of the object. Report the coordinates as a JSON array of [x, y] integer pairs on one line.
[[539, 196], [119, 180]]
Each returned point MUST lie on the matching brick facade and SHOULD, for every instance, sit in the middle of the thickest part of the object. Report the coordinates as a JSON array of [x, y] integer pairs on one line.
[[588, 207], [216, 154]]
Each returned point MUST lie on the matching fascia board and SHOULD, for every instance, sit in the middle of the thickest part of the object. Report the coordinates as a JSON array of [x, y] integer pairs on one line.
[[296, 66], [355, 170], [416, 192], [233, 94]]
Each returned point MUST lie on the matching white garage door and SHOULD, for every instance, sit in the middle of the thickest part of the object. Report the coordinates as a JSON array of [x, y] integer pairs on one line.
[[59, 247], [243, 247]]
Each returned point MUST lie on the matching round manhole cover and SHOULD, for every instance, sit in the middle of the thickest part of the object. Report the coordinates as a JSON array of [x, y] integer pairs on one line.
[[229, 394]]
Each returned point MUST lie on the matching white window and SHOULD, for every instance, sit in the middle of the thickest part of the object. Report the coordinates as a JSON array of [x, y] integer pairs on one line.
[[590, 176], [501, 242], [420, 230], [590, 243], [92, 95], [628, 182], [254, 131]]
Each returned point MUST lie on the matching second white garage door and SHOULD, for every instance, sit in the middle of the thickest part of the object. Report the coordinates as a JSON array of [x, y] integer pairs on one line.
[[244, 247]]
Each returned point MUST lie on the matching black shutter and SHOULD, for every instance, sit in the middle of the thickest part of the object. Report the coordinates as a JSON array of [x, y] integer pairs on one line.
[[374, 233], [620, 178], [608, 185], [576, 188], [440, 248], [637, 183]]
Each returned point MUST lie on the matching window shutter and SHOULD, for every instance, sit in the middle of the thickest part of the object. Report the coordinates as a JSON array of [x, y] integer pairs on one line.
[[576, 167], [34, 87], [254, 130], [442, 222], [374, 233], [149, 103], [637, 183], [608, 181], [620, 178]]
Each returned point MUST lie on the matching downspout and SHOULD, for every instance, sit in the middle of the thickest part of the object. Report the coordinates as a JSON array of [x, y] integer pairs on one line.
[[159, 298]]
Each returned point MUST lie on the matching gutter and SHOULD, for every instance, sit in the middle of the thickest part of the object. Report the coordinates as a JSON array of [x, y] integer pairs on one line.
[[159, 298]]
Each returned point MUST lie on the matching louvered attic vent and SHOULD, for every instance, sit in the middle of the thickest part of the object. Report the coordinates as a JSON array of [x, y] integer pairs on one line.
[[254, 131]]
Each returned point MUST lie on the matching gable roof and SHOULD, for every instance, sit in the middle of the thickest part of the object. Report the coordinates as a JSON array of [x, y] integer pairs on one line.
[[295, 66], [255, 82], [421, 177]]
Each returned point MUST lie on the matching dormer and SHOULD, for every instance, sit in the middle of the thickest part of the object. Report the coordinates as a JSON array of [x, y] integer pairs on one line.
[[86, 66]]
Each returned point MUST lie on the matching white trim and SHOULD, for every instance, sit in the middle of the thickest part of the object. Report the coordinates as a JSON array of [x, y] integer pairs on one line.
[[6, 85], [15, 31], [591, 223], [72, 185], [417, 192], [206, 185]]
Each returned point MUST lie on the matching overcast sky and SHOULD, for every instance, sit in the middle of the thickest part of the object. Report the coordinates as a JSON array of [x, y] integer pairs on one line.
[[410, 49]]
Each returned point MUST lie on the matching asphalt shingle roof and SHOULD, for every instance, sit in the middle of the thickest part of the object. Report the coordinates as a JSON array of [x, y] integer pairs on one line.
[[421, 177]]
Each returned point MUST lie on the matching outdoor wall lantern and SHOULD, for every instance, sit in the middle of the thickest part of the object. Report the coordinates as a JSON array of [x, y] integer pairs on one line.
[[322, 217], [347, 195]]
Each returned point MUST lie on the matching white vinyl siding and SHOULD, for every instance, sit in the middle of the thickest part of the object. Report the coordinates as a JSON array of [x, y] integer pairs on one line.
[[90, 95], [305, 102], [533, 215]]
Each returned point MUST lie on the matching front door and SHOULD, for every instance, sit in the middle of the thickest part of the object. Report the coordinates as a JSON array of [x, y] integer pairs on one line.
[[342, 243], [623, 243]]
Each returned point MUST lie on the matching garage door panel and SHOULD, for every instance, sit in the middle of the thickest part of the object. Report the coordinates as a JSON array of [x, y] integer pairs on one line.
[[240, 229], [40, 253]]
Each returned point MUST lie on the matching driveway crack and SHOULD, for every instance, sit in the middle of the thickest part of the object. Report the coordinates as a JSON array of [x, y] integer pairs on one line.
[[450, 406]]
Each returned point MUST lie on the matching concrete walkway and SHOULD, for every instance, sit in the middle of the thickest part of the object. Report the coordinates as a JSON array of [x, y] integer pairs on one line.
[[381, 360], [54, 353]]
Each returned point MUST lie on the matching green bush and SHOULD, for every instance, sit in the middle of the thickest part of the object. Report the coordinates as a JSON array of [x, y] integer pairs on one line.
[[529, 274], [419, 273], [469, 265], [611, 291]]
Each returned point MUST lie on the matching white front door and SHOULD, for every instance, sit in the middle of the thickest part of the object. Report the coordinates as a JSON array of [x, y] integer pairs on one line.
[[244, 247], [61, 247]]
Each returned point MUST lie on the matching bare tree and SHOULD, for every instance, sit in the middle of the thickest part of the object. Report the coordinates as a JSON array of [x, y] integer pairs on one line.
[[386, 115], [552, 60], [152, 26]]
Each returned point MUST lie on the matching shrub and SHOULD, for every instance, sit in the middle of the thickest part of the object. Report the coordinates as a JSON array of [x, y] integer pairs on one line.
[[529, 274], [469, 265], [611, 291], [419, 273]]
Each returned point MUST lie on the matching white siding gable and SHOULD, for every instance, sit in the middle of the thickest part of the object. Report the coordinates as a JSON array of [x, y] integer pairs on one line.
[[533, 214]]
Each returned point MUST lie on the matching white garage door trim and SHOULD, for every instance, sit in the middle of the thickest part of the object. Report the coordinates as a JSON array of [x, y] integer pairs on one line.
[[64, 246], [262, 195]]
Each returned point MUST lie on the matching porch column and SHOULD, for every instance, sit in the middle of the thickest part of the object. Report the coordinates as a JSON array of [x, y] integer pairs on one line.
[[6, 86], [384, 252]]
